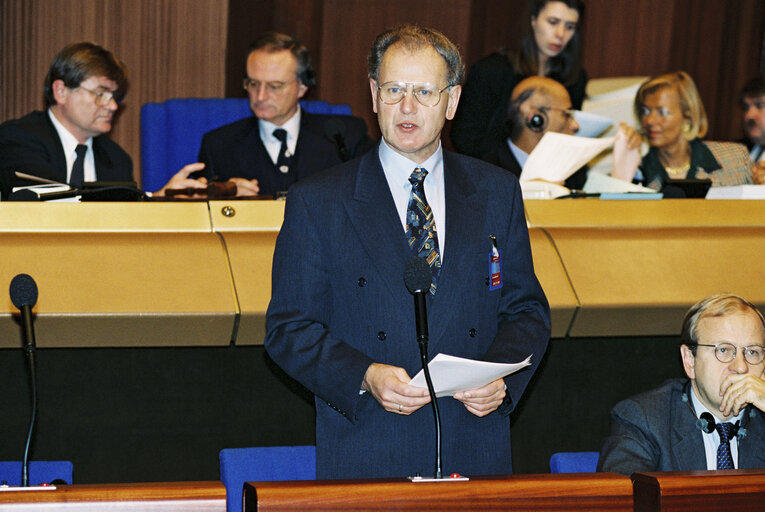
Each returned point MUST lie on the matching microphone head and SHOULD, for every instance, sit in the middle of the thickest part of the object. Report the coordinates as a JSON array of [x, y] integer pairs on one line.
[[417, 275], [706, 423], [334, 127], [23, 291]]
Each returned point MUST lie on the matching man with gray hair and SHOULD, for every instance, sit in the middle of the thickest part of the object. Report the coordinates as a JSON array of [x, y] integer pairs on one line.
[[340, 319], [714, 418]]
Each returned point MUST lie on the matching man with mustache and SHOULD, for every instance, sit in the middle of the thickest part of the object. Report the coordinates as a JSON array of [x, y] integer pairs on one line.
[[753, 109]]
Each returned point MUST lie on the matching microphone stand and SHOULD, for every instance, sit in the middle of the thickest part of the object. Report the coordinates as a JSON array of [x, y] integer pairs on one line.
[[422, 341], [29, 350]]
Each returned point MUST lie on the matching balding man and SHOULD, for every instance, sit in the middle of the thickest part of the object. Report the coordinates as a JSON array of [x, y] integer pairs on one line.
[[537, 105]]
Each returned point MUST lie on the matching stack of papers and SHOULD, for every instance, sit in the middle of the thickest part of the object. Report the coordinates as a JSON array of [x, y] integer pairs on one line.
[[451, 374]]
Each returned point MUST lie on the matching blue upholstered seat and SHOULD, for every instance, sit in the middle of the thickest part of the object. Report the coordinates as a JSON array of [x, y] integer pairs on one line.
[[171, 131], [40, 471], [268, 463], [574, 462]]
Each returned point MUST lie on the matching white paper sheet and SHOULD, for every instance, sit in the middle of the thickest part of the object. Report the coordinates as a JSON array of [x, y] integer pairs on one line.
[[557, 156], [451, 374]]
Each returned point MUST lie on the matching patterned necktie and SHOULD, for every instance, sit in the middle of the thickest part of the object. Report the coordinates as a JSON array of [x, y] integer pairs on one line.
[[724, 458], [421, 226], [78, 167]]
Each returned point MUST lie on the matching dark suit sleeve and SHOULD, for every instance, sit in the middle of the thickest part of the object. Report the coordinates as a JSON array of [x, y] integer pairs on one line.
[[480, 116], [358, 138], [297, 336], [630, 447], [25, 151], [205, 157], [524, 314]]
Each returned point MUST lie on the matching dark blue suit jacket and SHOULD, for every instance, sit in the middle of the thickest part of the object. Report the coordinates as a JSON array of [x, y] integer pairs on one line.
[[655, 431], [31, 145], [236, 150], [339, 304]]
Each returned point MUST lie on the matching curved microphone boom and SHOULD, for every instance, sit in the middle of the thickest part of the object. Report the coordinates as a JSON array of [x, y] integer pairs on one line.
[[417, 278], [23, 293]]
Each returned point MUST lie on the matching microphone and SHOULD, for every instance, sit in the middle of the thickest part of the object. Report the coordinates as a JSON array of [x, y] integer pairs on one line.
[[23, 293], [334, 129], [417, 278], [706, 423]]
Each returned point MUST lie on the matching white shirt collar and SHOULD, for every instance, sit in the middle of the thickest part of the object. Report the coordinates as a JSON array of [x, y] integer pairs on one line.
[[518, 153], [291, 126], [69, 143]]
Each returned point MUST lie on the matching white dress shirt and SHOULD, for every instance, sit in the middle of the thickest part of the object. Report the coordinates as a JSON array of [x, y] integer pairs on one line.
[[399, 168], [274, 145], [69, 143]]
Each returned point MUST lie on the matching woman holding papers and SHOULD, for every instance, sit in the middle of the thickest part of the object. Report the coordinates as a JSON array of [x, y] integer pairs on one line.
[[551, 49], [673, 121]]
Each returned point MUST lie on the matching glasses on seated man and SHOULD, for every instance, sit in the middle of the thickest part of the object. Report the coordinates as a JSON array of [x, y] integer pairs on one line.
[[726, 352]]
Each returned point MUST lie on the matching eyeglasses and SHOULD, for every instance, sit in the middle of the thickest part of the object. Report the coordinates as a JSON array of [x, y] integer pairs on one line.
[[102, 98], [427, 94], [726, 352], [253, 86]]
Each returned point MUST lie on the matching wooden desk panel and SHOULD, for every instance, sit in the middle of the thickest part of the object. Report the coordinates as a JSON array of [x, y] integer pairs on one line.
[[117, 274], [641, 281], [574, 492], [249, 230], [554, 280], [698, 491], [159, 497]]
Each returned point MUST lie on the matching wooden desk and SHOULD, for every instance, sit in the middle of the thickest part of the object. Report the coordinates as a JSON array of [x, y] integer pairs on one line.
[[698, 491], [574, 492], [159, 497]]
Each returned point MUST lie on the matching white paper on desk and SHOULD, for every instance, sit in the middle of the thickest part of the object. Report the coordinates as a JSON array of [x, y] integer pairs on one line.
[[451, 374], [49, 188], [557, 156]]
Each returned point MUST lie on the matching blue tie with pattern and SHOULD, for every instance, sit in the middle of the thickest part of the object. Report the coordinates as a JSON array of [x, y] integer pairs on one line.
[[421, 226], [724, 457]]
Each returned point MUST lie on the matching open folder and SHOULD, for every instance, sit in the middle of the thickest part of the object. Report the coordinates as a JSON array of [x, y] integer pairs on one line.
[[451, 374]]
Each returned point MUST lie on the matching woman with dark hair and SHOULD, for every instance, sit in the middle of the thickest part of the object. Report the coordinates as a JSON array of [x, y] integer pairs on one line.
[[551, 49]]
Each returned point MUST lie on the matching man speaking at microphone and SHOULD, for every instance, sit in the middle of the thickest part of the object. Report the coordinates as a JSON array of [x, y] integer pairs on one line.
[[282, 143], [341, 319]]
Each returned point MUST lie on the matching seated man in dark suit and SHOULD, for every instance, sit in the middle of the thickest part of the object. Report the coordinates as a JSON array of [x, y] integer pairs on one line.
[[537, 105], [67, 143], [753, 109], [281, 144], [712, 420]]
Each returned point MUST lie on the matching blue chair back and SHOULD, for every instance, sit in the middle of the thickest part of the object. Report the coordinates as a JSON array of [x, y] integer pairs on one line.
[[574, 462], [171, 131], [262, 464], [40, 471]]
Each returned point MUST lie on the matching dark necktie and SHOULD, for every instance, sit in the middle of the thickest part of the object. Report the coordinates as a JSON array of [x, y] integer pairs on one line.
[[78, 167], [724, 457], [421, 226], [285, 158]]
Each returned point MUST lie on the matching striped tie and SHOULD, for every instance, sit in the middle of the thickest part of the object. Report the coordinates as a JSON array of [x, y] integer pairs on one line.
[[724, 458], [421, 226]]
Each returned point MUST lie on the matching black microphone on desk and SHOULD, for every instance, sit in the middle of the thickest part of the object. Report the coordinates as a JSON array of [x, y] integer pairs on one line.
[[417, 277], [334, 129], [23, 292]]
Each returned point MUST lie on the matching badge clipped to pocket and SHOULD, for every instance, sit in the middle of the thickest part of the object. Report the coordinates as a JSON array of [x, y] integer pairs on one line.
[[495, 266]]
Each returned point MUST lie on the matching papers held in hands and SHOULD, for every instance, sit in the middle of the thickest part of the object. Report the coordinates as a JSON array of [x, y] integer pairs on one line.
[[451, 374], [557, 156]]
